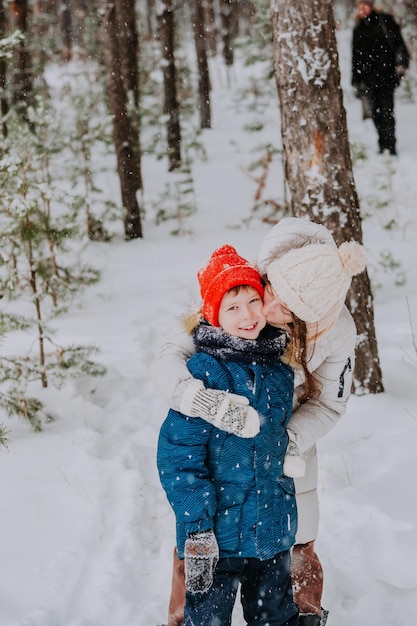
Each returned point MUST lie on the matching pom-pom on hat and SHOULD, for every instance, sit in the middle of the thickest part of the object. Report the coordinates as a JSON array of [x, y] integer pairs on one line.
[[313, 281], [225, 270]]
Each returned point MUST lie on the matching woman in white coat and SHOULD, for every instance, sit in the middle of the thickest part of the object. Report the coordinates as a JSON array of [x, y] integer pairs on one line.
[[307, 278]]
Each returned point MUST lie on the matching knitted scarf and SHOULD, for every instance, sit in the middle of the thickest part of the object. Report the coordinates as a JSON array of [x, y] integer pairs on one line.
[[265, 350]]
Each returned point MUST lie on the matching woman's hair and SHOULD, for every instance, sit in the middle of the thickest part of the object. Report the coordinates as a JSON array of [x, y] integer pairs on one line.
[[298, 352]]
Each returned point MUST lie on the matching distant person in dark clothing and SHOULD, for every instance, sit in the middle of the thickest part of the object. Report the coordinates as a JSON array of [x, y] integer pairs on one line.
[[379, 60]]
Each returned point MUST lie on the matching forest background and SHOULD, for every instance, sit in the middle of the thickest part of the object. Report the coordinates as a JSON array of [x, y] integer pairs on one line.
[[99, 259]]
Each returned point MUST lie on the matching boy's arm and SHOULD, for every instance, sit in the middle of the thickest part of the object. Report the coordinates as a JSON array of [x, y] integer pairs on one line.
[[184, 474]]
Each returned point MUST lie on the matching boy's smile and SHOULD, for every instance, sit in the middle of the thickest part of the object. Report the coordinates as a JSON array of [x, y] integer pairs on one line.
[[240, 313]]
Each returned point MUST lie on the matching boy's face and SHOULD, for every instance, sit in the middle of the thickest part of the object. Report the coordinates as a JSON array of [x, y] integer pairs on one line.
[[240, 314]]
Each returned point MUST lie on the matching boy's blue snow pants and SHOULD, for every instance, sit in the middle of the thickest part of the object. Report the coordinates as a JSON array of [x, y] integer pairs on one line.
[[266, 594]]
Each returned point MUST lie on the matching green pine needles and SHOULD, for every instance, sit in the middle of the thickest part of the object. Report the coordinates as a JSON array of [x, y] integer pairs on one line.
[[41, 271]]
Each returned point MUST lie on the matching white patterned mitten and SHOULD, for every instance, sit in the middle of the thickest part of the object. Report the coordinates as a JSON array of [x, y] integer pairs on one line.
[[224, 410]]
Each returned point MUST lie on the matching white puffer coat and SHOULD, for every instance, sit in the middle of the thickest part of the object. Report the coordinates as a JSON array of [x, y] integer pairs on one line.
[[331, 359]]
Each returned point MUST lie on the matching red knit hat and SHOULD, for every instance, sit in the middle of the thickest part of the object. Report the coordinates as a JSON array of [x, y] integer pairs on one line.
[[225, 270]]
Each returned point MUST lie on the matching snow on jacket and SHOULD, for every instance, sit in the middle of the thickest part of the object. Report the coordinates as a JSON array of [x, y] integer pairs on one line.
[[331, 358], [332, 362], [377, 48], [234, 485]]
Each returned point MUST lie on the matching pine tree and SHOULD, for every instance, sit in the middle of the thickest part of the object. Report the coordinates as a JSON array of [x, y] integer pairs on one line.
[[39, 229], [3, 436]]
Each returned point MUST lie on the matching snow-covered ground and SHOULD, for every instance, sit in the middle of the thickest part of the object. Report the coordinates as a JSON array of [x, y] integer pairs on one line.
[[86, 532]]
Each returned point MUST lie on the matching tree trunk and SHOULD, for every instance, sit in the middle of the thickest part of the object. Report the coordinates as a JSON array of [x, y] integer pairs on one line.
[[129, 43], [22, 75], [227, 31], [128, 165], [65, 20], [210, 26], [37, 302], [203, 70], [4, 105], [171, 107], [316, 146]]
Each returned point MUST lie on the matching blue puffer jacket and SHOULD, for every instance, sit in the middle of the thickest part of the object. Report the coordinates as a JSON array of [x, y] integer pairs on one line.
[[236, 486]]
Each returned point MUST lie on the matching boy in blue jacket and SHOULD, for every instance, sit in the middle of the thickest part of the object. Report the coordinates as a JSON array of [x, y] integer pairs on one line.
[[235, 510]]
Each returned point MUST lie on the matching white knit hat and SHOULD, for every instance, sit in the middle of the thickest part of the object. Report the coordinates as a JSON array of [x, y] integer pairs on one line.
[[313, 281]]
